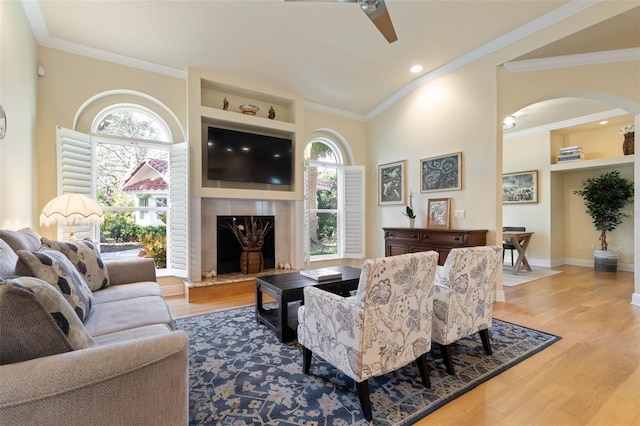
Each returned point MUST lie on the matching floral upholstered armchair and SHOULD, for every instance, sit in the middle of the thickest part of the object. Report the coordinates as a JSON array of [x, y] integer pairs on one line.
[[463, 297], [385, 326]]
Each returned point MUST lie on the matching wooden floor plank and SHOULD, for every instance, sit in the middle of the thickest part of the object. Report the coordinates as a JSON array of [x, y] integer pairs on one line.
[[590, 377]]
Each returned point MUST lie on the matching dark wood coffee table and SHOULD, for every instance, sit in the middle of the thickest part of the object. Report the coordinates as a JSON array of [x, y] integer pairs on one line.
[[287, 289]]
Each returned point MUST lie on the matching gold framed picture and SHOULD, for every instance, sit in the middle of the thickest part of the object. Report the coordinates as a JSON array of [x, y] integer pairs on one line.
[[438, 213], [519, 188]]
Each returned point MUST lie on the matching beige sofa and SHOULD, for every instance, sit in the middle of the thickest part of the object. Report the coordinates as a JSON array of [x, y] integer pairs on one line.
[[135, 371]]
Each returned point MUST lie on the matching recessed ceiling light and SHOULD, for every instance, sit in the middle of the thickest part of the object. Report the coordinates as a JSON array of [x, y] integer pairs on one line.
[[604, 122], [416, 69]]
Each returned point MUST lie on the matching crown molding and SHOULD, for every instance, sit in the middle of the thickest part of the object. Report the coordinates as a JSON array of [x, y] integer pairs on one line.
[[526, 30], [621, 55], [333, 111], [39, 28], [585, 119]]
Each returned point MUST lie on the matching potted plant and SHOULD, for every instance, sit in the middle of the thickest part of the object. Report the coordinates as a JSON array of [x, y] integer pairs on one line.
[[605, 197], [409, 213]]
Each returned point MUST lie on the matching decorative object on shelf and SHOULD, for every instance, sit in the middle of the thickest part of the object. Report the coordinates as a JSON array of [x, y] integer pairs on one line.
[[409, 212], [441, 173], [570, 153], [209, 273], [3, 123], [272, 113], [519, 188], [251, 238], [629, 133], [71, 209], [391, 183], [438, 213], [249, 109], [225, 104], [605, 197]]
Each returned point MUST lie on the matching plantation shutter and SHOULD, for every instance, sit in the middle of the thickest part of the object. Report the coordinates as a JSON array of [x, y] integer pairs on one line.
[[75, 159], [179, 199], [354, 212], [306, 205]]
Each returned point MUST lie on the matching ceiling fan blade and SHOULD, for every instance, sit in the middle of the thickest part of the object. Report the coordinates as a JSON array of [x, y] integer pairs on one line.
[[381, 19]]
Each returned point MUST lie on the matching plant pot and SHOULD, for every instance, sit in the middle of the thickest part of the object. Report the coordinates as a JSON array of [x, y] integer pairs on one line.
[[251, 260], [605, 260], [412, 223]]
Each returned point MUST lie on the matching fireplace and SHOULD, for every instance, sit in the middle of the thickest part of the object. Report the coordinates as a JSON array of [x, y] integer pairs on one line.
[[229, 249]]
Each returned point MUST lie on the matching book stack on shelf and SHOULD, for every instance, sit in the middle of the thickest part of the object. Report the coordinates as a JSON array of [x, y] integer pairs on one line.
[[570, 153]]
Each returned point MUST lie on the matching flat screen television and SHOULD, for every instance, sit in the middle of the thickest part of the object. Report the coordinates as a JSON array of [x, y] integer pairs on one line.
[[234, 156]]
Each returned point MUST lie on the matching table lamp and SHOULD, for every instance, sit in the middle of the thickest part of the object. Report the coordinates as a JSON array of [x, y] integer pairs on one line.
[[71, 209]]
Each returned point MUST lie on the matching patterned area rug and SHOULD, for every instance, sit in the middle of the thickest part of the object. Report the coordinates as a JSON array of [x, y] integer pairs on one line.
[[240, 374]]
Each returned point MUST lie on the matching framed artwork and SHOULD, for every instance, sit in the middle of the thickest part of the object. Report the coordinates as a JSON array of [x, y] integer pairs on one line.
[[520, 187], [438, 213], [391, 183], [441, 173]]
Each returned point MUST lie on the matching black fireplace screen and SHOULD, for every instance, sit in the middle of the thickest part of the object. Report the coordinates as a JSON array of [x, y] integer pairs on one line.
[[229, 248]]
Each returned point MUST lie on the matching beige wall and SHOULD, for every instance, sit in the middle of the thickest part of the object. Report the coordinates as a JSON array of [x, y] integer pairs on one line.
[[18, 81], [531, 152], [353, 132], [439, 118], [72, 80]]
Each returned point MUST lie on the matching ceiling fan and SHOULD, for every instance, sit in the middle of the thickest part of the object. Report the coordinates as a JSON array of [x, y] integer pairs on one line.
[[377, 12]]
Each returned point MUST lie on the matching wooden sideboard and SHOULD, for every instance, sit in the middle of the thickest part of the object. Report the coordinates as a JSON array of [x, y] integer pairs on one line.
[[410, 240]]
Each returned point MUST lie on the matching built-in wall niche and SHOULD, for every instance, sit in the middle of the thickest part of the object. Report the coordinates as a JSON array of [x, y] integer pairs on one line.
[[229, 249], [213, 94]]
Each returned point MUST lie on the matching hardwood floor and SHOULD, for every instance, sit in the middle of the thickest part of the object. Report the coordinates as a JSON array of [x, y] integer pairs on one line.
[[590, 377]]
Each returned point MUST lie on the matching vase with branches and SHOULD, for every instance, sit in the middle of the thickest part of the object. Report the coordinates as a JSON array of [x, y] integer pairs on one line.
[[250, 236]]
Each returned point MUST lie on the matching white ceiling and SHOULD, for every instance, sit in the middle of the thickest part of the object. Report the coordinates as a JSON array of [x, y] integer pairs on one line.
[[328, 52]]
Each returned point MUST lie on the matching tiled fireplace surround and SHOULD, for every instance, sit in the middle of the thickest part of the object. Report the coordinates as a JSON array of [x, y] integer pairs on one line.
[[282, 210]]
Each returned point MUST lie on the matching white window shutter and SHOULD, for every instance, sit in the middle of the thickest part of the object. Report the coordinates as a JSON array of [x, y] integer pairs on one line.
[[179, 199], [75, 172], [354, 212]]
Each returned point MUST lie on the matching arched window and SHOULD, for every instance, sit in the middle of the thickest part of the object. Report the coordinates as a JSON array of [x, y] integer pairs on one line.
[[131, 166], [132, 179], [131, 121], [334, 197]]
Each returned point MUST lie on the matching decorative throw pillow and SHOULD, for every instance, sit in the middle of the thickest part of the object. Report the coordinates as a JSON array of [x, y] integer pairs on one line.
[[8, 260], [37, 321], [24, 239], [85, 257], [54, 267]]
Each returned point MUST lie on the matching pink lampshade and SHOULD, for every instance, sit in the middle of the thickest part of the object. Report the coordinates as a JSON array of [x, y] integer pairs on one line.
[[71, 209]]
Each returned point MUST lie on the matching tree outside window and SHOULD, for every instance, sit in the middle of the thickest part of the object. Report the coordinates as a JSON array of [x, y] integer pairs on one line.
[[133, 183], [323, 172]]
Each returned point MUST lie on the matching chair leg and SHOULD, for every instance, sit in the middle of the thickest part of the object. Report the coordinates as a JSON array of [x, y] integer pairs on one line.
[[306, 360], [484, 336], [445, 350], [365, 402], [511, 257], [425, 370]]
